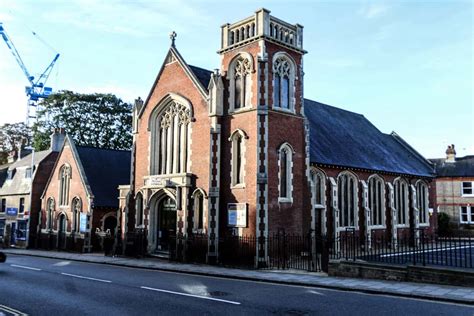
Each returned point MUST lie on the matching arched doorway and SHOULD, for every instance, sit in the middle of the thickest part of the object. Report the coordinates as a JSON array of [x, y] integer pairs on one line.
[[62, 231], [110, 223], [166, 223]]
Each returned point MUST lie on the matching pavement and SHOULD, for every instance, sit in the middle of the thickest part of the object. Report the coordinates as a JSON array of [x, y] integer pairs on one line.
[[441, 293]]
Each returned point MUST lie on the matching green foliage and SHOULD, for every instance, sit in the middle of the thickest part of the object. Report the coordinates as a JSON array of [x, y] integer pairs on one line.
[[444, 228], [98, 120], [13, 136]]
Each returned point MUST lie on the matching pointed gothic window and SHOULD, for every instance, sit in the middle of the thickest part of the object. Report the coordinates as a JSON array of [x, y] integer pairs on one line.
[[285, 174], [376, 201], [170, 139], [76, 211], [347, 200], [64, 183], [238, 158], [400, 187], [241, 83], [200, 216], [283, 77], [139, 209], [422, 202], [50, 213]]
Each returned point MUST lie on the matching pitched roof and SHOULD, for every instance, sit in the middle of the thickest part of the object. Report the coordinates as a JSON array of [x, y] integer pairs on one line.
[[461, 167], [19, 184], [105, 170], [203, 75], [343, 138]]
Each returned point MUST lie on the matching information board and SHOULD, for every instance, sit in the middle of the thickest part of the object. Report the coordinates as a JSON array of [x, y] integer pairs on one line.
[[12, 211], [237, 215], [83, 223]]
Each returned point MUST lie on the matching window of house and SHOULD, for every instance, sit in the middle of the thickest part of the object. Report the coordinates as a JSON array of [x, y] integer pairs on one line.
[[242, 83], [21, 230], [2, 227], [10, 174], [139, 209], [4, 206], [376, 201], [50, 213], [238, 158], [28, 173], [347, 200], [64, 183], [467, 215], [76, 212], [199, 212], [422, 202], [283, 79], [170, 139], [21, 206], [401, 201], [319, 187], [467, 188], [285, 173]]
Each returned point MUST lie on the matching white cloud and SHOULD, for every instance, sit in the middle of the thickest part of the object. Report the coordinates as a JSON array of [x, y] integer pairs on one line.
[[373, 10]]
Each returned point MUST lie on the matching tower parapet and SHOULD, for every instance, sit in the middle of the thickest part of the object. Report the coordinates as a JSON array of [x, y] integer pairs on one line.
[[261, 25]]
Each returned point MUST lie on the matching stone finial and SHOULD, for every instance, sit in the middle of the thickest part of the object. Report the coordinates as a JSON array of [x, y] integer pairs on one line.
[[450, 153], [173, 38]]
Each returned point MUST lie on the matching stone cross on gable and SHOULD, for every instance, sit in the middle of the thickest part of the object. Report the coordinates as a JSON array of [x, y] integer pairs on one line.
[[173, 37]]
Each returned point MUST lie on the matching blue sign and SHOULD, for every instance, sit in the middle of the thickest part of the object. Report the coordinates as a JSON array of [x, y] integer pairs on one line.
[[83, 223], [12, 211]]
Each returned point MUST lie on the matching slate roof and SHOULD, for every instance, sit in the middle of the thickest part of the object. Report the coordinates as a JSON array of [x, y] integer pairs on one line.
[[105, 170], [461, 167], [343, 138], [203, 75], [20, 184]]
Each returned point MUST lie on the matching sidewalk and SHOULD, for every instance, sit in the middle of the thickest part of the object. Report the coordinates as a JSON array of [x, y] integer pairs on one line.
[[463, 295]]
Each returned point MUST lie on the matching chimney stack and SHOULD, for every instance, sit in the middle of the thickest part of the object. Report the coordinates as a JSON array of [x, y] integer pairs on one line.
[[450, 154], [57, 139]]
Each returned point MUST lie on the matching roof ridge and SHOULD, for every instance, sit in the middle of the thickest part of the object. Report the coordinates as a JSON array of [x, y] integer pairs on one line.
[[335, 107]]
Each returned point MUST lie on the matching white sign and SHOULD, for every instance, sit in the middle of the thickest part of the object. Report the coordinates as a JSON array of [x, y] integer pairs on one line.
[[156, 181], [237, 214]]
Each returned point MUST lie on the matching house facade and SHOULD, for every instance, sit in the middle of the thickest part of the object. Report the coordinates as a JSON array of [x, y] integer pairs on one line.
[[455, 188], [21, 184], [240, 152], [79, 203]]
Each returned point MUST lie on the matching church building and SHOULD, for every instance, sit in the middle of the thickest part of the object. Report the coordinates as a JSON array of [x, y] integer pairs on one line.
[[239, 151]]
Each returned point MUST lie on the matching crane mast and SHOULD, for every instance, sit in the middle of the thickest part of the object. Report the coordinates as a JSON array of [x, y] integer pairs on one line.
[[36, 90]]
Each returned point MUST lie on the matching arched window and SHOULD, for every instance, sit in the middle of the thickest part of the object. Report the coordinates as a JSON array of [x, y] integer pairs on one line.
[[376, 201], [283, 81], [422, 202], [240, 79], [64, 183], [170, 131], [347, 199], [285, 163], [139, 209], [200, 214], [238, 157], [319, 187], [76, 212], [400, 188], [50, 213]]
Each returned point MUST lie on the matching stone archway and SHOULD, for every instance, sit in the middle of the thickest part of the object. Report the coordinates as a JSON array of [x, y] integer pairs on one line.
[[162, 223]]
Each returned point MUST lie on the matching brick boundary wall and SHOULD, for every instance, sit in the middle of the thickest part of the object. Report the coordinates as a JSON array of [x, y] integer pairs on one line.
[[410, 273]]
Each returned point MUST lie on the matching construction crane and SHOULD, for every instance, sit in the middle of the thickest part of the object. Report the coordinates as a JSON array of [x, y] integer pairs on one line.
[[37, 89]]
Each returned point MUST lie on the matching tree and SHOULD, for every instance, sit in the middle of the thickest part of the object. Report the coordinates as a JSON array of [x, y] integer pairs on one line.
[[13, 136], [98, 120]]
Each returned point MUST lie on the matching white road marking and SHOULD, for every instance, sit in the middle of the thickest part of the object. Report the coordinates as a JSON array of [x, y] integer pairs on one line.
[[315, 292], [24, 267], [62, 263], [190, 295], [11, 311], [86, 278]]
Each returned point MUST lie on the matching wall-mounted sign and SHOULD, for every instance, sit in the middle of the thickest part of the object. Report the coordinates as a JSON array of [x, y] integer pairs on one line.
[[12, 211], [237, 214], [83, 223]]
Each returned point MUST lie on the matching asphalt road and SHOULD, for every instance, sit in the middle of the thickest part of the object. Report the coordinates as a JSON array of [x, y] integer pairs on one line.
[[40, 286]]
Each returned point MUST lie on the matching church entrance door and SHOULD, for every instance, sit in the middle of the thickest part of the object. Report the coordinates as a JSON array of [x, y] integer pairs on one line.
[[166, 224]]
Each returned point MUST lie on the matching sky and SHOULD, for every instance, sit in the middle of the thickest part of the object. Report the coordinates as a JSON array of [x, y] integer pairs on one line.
[[407, 66]]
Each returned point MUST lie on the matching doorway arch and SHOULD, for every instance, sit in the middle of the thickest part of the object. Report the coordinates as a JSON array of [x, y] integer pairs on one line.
[[163, 221]]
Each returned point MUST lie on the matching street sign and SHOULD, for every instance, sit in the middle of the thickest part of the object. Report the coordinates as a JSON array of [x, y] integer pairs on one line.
[[12, 211]]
